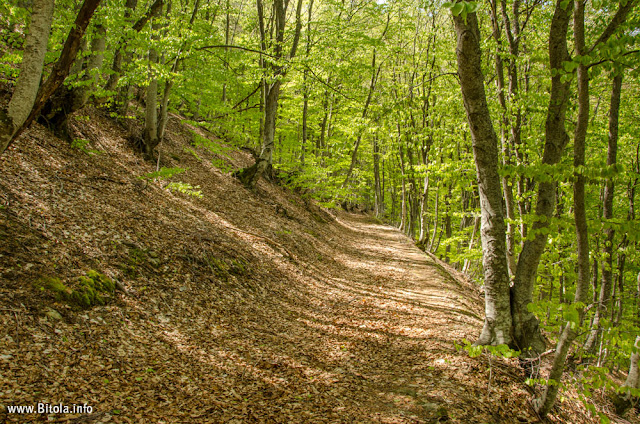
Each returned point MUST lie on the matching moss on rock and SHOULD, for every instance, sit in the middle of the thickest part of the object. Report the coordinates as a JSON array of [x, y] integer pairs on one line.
[[88, 290]]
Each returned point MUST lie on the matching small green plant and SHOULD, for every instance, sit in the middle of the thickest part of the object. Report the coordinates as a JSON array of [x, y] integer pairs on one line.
[[185, 188], [162, 174], [193, 153], [474, 351], [221, 164], [81, 144]]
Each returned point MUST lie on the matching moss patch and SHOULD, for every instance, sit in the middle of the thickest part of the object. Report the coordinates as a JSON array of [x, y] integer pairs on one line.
[[223, 268], [86, 291]]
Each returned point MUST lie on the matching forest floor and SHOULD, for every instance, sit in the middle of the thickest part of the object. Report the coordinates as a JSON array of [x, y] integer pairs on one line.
[[240, 307]]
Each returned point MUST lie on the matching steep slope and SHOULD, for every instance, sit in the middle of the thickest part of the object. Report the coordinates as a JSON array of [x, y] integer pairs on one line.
[[239, 307]]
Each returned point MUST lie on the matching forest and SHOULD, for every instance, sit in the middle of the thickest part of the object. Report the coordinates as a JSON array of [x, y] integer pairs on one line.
[[500, 138]]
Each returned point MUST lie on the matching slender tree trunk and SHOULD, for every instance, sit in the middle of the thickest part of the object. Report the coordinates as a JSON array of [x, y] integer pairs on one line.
[[150, 136], [436, 210], [504, 127], [403, 218], [424, 204], [476, 226], [164, 108], [379, 206], [497, 326], [305, 87], [372, 86], [118, 56], [607, 214]]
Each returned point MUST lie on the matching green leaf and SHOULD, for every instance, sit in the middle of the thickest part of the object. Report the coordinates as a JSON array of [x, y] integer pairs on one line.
[[457, 9], [472, 6]]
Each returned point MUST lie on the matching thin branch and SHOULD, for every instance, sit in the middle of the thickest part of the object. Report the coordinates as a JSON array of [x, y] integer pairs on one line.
[[244, 109], [250, 94], [607, 60], [228, 46]]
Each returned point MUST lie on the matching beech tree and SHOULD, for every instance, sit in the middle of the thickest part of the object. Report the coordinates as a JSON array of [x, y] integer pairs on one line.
[[27, 104], [28, 83], [275, 70]]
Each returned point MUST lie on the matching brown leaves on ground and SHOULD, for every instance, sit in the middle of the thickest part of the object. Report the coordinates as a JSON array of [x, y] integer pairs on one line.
[[239, 312]]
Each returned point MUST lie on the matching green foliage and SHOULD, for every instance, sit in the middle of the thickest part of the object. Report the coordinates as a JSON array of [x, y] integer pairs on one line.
[[462, 8], [81, 144], [474, 351], [163, 174], [185, 188]]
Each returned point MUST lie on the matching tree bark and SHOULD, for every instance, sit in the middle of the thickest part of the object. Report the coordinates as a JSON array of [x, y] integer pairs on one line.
[[150, 134], [607, 214], [623, 400], [403, 216], [544, 404], [60, 68], [26, 89], [526, 327], [306, 88], [67, 100], [379, 205], [497, 326]]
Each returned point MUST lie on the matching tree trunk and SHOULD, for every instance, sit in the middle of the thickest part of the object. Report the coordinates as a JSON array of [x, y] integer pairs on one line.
[[623, 400], [497, 326], [150, 136], [526, 327], [116, 66], [379, 205], [436, 210], [544, 404], [607, 214], [65, 100], [250, 176], [26, 90], [372, 86], [403, 217], [424, 204], [59, 71]]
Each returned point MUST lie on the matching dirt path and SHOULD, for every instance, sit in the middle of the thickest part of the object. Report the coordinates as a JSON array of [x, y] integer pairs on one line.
[[389, 316]]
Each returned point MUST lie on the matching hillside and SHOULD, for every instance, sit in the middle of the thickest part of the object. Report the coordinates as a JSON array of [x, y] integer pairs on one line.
[[238, 306]]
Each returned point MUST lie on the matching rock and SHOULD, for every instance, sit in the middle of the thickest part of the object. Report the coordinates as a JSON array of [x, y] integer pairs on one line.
[[53, 314]]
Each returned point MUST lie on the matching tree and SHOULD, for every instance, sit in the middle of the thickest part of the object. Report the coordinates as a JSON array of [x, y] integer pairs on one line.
[[275, 71], [24, 95], [497, 325], [18, 120]]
